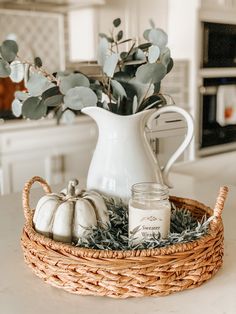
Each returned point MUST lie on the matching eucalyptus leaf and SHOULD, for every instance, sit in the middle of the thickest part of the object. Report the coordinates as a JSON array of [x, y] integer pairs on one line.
[[135, 104], [102, 35], [110, 40], [58, 114], [102, 51], [9, 50], [33, 108], [151, 73], [54, 100], [153, 101], [79, 97], [21, 95], [170, 65], [16, 107], [113, 107], [73, 80], [122, 76], [165, 56], [37, 84], [119, 36], [96, 86], [142, 90], [146, 34], [152, 23], [131, 69], [157, 87], [118, 90], [110, 64], [68, 117], [61, 74], [5, 69], [140, 55], [52, 91], [17, 71], [123, 55], [145, 46], [130, 91], [99, 104], [158, 37], [38, 62], [117, 22], [153, 54], [134, 62], [105, 105]]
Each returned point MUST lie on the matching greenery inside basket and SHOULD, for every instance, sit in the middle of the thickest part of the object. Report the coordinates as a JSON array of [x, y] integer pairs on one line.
[[87, 219]]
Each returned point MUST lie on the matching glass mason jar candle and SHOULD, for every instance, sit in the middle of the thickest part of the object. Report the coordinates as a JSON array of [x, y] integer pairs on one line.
[[149, 212]]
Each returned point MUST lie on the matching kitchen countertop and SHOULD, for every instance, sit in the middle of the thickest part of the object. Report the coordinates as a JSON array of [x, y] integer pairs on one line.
[[21, 292]]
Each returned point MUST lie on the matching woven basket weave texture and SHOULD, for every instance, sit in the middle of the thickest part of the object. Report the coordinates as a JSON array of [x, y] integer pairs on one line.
[[131, 273]]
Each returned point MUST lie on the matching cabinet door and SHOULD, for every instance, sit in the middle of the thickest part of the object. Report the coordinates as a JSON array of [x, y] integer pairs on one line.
[[57, 153], [164, 146], [22, 170]]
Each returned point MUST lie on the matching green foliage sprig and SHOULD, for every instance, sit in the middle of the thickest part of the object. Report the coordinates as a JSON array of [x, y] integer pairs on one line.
[[183, 228], [131, 77]]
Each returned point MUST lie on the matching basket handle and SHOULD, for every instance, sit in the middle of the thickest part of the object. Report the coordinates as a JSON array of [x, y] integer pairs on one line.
[[219, 206], [26, 194]]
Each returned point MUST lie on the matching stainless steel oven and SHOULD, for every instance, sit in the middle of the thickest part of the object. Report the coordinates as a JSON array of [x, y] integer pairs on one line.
[[214, 137]]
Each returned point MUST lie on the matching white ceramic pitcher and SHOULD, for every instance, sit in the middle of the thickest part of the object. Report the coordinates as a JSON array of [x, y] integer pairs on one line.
[[123, 155]]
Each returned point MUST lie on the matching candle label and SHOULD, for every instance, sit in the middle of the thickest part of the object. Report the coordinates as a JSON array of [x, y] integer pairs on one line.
[[146, 223]]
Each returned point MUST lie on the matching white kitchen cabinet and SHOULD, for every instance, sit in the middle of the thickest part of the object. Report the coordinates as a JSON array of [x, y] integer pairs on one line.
[[56, 153]]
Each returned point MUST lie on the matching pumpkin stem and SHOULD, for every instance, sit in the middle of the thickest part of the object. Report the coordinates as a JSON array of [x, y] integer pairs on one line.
[[71, 187]]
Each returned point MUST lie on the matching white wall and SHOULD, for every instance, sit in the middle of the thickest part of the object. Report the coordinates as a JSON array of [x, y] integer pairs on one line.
[[183, 28], [82, 31], [183, 33], [135, 15]]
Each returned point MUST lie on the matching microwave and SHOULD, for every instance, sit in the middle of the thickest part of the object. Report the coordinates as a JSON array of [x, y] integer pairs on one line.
[[219, 45]]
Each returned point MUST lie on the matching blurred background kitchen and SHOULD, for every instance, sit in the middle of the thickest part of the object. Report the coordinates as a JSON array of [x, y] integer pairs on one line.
[[64, 33]]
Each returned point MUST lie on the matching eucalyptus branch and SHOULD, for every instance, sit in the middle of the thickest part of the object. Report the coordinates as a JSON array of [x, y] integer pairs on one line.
[[131, 48], [122, 42], [147, 63], [49, 76], [116, 45], [122, 62], [109, 88]]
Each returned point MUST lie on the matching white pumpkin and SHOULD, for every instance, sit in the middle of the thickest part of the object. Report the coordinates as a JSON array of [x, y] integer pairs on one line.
[[70, 215]]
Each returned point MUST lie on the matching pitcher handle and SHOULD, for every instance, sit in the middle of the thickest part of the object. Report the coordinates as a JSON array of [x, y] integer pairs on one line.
[[184, 144]]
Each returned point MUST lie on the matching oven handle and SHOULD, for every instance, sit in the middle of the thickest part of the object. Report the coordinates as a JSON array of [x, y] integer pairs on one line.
[[208, 90]]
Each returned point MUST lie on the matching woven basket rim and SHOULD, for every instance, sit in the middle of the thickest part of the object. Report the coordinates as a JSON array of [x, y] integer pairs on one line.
[[66, 248], [87, 252]]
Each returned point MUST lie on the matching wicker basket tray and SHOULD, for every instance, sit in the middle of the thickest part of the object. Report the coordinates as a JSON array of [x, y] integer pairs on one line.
[[122, 274]]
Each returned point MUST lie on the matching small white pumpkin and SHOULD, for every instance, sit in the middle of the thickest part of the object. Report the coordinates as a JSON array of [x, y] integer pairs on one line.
[[70, 215]]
